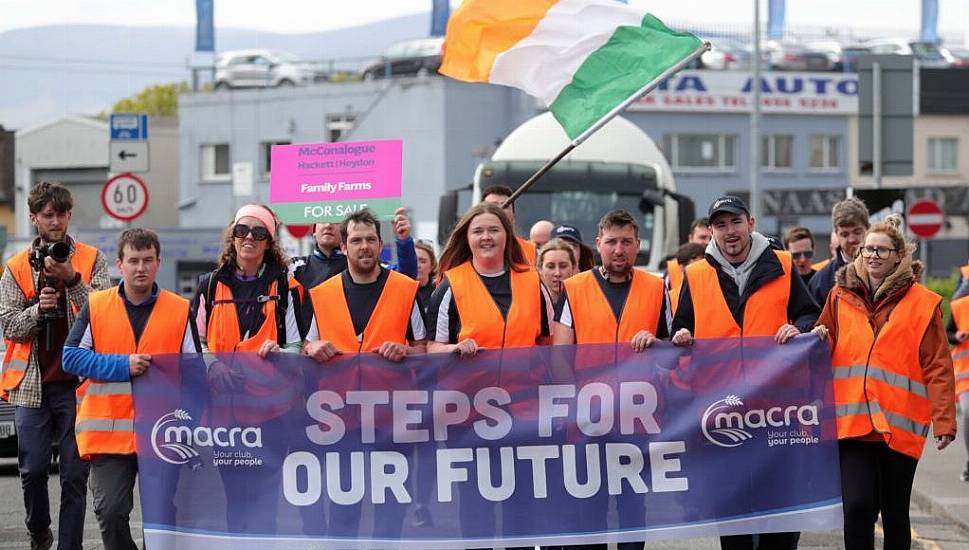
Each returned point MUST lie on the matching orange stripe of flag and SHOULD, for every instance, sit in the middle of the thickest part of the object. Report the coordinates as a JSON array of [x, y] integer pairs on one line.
[[481, 29]]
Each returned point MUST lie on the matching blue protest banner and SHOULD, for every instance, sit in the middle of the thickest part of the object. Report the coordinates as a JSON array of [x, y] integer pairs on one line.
[[515, 447]]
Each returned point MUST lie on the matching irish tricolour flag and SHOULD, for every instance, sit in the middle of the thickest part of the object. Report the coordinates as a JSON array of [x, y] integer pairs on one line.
[[582, 58]]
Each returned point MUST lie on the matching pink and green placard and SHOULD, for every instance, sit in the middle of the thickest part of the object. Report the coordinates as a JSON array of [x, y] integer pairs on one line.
[[323, 182]]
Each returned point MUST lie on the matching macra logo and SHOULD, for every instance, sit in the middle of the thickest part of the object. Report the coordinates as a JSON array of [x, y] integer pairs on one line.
[[175, 443], [725, 426]]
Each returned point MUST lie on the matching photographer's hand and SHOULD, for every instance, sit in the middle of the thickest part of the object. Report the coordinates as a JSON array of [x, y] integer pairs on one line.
[[48, 299], [62, 270]]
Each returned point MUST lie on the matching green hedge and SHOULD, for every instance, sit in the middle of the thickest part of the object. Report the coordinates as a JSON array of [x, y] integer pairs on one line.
[[944, 286]]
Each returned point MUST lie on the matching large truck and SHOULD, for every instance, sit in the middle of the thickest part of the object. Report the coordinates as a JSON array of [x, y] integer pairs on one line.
[[618, 167]]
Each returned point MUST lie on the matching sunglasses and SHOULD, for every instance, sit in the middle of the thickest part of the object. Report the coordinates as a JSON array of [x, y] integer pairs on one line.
[[241, 231], [807, 255]]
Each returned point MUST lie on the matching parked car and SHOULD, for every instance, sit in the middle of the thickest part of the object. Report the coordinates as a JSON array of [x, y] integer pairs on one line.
[[841, 57], [8, 432], [413, 57], [791, 56], [928, 54], [725, 54], [958, 57], [262, 69]]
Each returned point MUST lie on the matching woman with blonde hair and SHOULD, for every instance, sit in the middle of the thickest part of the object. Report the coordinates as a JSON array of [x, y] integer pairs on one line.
[[488, 296], [556, 263], [892, 379]]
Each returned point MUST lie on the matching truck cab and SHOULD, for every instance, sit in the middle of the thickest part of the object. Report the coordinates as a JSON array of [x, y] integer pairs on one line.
[[618, 167]]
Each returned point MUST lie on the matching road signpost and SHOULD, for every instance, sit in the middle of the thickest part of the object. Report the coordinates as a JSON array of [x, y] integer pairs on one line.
[[924, 218], [128, 147]]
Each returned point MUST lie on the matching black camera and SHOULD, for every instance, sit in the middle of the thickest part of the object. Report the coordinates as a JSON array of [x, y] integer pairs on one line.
[[59, 251]]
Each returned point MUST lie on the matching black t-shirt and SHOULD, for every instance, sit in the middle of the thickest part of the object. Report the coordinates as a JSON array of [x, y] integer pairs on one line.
[[362, 298]]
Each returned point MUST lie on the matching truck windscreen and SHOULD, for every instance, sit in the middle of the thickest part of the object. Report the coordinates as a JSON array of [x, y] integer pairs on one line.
[[578, 194]]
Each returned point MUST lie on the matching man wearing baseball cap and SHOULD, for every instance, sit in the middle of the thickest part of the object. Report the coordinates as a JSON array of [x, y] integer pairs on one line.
[[734, 292]]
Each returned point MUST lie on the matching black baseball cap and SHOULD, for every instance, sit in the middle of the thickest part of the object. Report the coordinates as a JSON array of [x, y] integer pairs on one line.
[[567, 232], [728, 203]]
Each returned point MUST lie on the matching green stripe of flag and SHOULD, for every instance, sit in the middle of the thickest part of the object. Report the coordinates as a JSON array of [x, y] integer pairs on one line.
[[630, 59]]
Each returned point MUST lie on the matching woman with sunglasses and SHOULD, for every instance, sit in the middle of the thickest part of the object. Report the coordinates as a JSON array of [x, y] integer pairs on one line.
[[892, 379], [249, 304]]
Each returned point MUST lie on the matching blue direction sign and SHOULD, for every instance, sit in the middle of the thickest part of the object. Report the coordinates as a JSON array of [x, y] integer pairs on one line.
[[129, 126]]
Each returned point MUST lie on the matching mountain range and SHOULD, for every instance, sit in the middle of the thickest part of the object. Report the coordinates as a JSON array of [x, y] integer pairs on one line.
[[51, 71]]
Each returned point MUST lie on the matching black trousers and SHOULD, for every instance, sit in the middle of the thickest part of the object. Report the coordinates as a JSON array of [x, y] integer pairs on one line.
[[763, 541], [875, 479]]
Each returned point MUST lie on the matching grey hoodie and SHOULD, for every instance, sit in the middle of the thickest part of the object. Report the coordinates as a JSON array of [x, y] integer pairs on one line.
[[740, 274]]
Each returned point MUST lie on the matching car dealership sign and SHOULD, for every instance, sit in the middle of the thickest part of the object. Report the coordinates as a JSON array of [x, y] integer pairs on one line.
[[730, 91]]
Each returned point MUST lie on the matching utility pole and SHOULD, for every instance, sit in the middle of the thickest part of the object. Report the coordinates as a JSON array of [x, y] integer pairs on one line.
[[755, 120]]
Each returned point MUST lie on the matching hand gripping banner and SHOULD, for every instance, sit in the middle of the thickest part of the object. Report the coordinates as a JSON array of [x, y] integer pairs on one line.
[[515, 447]]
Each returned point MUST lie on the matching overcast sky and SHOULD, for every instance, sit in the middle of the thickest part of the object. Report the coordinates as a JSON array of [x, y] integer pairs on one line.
[[296, 16]]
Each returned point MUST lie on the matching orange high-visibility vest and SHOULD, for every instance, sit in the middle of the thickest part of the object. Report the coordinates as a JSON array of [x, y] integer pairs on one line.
[[675, 274], [275, 396], [388, 322], [878, 381], [595, 322], [105, 413], [960, 353], [482, 320], [818, 266], [528, 248], [18, 353], [764, 313], [222, 326]]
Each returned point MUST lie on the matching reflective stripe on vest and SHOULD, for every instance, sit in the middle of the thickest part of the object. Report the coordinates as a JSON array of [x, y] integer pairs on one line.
[[593, 319], [222, 331], [388, 321], [960, 353], [18, 353], [764, 312], [105, 413], [482, 320], [529, 250], [878, 381], [675, 274]]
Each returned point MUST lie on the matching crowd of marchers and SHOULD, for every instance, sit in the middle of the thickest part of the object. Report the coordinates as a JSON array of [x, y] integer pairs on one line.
[[75, 342]]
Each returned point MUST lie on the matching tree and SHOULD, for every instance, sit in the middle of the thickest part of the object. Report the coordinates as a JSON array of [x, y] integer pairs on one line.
[[156, 100]]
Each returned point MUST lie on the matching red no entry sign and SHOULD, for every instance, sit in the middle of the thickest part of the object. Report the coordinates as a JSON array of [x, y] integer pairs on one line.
[[925, 218]]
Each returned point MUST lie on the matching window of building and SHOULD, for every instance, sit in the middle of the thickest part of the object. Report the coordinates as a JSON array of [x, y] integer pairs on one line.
[[776, 152], [943, 154], [266, 157], [338, 126], [702, 152], [825, 153], [215, 162]]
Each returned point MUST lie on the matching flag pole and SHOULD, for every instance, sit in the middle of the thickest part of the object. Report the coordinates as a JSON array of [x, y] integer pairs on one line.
[[649, 87]]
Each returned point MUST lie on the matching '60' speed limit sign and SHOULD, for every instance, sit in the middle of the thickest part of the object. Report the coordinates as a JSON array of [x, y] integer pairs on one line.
[[124, 197]]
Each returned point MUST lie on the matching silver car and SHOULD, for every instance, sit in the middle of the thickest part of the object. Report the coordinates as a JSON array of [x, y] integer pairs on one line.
[[262, 69]]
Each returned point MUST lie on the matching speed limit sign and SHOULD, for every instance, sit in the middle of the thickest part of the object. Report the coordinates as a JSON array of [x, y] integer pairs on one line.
[[124, 197]]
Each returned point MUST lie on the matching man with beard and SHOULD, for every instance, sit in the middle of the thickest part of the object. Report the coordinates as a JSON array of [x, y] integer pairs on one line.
[[365, 309], [614, 303], [743, 288], [327, 259], [39, 298]]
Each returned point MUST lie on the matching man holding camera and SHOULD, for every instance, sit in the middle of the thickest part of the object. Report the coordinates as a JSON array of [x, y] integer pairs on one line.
[[42, 289]]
